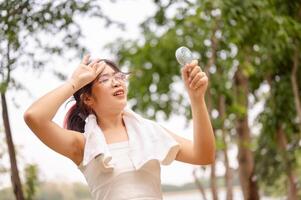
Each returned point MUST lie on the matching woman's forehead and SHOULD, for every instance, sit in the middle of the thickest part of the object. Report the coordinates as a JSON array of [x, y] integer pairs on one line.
[[108, 70]]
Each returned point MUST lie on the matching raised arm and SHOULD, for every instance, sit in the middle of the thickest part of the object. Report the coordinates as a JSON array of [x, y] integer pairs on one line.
[[202, 149], [40, 114]]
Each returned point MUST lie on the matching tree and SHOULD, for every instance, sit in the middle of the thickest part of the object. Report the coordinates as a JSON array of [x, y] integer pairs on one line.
[[244, 45], [202, 27], [280, 120], [271, 40], [24, 25]]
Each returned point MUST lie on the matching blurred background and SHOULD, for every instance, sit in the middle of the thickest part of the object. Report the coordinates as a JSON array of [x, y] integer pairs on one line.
[[250, 50]]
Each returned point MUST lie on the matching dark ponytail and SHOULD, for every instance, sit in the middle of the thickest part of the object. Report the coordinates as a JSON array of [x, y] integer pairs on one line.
[[76, 115], [74, 120]]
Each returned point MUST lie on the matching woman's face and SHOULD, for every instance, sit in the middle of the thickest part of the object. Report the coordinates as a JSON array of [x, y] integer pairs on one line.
[[109, 91]]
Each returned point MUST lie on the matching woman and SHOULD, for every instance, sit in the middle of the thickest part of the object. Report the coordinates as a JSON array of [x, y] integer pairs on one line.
[[118, 151]]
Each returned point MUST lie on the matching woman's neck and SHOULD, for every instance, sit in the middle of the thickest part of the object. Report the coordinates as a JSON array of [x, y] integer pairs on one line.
[[110, 121]]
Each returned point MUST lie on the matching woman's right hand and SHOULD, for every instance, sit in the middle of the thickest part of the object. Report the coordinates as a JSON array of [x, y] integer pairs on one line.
[[85, 73]]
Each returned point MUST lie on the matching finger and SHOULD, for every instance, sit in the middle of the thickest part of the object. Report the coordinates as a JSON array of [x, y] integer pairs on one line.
[[95, 65], [200, 82], [193, 63], [198, 76], [195, 79], [94, 62], [85, 59], [98, 60], [185, 74], [100, 67], [189, 67], [194, 71]]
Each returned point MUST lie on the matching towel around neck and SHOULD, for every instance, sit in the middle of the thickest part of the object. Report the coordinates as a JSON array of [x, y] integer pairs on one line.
[[147, 139]]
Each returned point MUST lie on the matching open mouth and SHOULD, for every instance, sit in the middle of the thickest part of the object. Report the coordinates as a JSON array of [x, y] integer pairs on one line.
[[118, 93]]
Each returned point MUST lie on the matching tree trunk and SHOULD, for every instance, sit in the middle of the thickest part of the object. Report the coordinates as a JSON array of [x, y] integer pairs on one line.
[[199, 184], [213, 183], [228, 173], [292, 183], [210, 62], [295, 87], [16, 183], [245, 156]]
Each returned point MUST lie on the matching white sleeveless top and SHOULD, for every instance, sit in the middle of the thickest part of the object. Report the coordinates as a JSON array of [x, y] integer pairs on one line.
[[127, 170], [124, 182]]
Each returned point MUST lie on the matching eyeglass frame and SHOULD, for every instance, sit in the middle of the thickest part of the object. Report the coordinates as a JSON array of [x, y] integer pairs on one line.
[[113, 76]]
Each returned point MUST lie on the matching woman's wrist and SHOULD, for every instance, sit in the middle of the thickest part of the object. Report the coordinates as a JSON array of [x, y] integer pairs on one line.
[[197, 101], [72, 83]]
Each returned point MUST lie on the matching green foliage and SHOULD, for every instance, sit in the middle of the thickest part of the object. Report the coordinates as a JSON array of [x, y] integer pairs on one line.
[[156, 74], [33, 32], [256, 37], [279, 112], [31, 181]]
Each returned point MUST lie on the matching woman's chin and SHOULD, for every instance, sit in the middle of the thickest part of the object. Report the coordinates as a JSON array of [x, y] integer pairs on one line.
[[120, 99], [116, 104], [121, 104]]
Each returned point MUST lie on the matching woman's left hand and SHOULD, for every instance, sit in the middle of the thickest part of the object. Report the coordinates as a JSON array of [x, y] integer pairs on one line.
[[195, 80]]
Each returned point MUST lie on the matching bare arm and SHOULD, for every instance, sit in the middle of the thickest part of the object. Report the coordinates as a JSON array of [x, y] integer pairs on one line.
[[202, 150], [40, 114]]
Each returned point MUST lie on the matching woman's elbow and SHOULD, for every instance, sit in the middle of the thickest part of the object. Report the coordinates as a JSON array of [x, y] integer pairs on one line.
[[208, 161], [29, 117]]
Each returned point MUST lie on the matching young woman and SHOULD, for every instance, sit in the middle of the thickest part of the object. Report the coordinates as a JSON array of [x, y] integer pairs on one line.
[[118, 151]]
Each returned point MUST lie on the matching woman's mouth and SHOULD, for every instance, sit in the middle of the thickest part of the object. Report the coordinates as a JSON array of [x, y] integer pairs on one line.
[[119, 93]]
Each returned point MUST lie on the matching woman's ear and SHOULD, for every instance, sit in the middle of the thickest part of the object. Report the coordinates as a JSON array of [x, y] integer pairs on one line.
[[87, 99]]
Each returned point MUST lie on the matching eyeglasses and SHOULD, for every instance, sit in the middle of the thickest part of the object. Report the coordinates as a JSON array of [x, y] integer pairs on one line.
[[118, 76]]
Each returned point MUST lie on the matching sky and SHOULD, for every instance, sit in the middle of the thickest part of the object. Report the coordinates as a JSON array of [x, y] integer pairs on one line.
[[54, 167]]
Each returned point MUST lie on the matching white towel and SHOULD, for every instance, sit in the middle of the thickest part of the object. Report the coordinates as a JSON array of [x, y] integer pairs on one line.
[[147, 139]]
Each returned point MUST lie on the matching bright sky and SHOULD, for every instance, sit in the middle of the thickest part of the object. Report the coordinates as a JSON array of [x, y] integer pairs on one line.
[[52, 165]]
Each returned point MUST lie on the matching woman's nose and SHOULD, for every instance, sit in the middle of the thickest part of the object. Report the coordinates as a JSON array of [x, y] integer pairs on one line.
[[115, 83]]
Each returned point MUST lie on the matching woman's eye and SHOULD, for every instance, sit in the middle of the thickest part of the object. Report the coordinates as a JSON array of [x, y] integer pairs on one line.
[[103, 80]]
